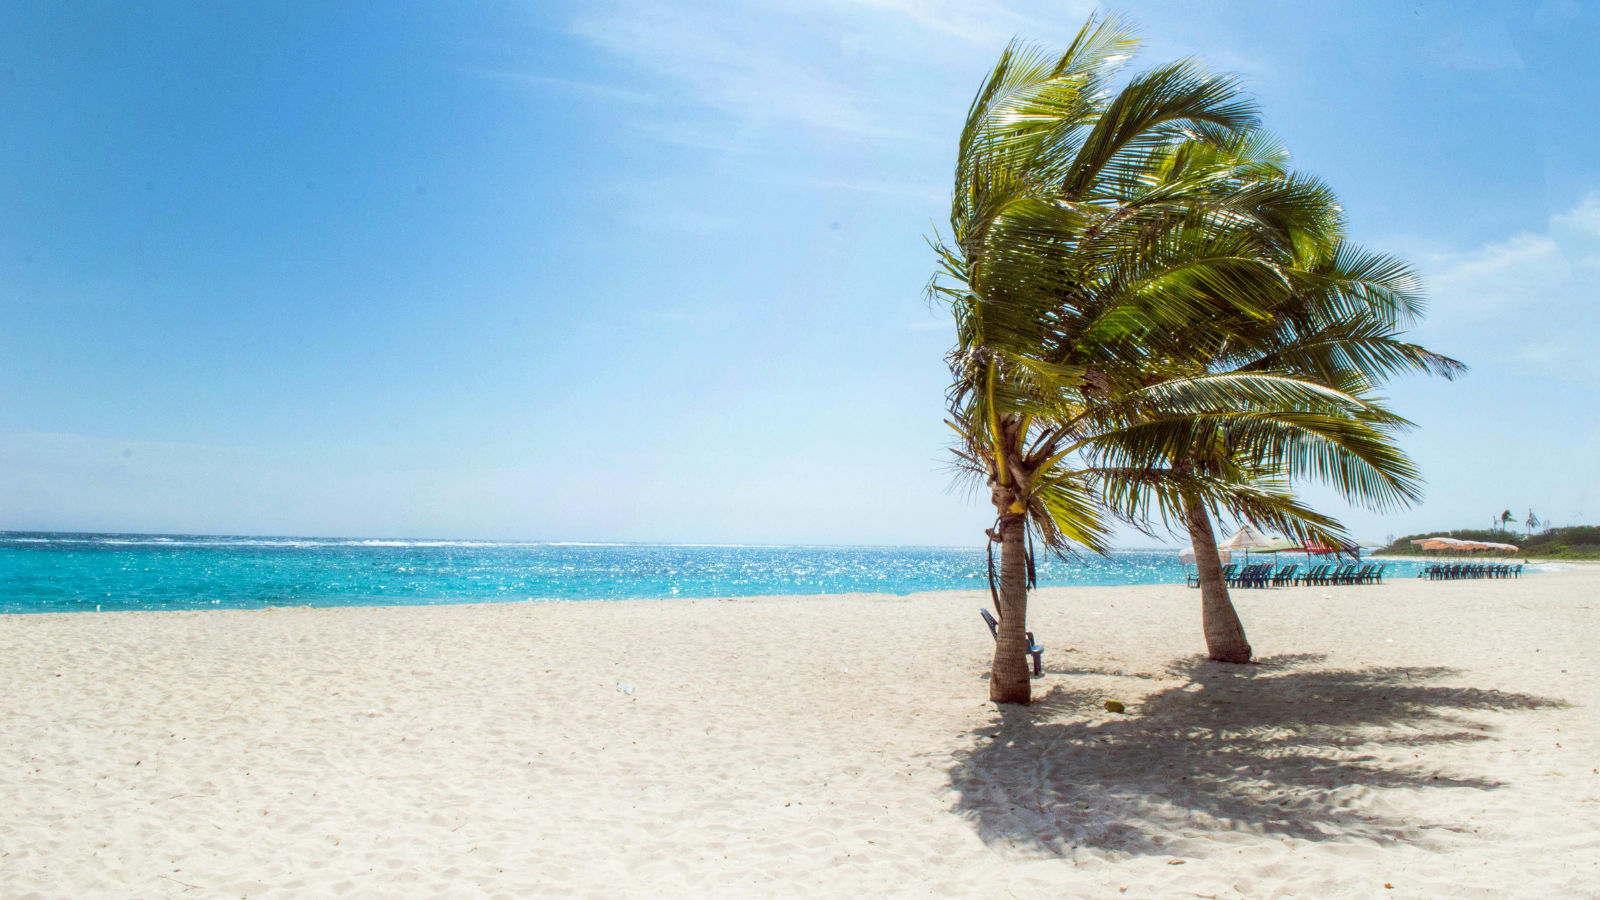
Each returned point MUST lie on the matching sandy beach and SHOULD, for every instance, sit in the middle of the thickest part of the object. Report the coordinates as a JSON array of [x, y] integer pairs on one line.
[[1415, 739]]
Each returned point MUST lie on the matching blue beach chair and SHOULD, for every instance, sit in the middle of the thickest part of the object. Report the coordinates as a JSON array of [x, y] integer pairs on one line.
[[1034, 649]]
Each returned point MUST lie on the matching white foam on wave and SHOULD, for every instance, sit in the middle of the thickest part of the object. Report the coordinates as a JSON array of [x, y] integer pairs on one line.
[[377, 542], [580, 544], [175, 542]]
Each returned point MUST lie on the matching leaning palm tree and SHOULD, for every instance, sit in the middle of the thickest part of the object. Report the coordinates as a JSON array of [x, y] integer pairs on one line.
[[1244, 460], [1336, 325], [1083, 221], [1288, 298]]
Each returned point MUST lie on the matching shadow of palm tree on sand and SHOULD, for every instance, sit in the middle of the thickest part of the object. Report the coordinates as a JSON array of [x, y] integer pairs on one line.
[[1278, 748]]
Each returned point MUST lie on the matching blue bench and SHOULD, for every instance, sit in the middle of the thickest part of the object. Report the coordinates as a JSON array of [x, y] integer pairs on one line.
[[1034, 650]]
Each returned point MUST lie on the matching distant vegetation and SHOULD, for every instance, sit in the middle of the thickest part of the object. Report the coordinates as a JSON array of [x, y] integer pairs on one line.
[[1576, 542]]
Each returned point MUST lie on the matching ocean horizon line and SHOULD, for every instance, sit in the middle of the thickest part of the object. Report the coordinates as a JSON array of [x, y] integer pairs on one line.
[[177, 538]]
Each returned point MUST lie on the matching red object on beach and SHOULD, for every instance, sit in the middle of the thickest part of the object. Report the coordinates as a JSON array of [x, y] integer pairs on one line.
[[1310, 547]]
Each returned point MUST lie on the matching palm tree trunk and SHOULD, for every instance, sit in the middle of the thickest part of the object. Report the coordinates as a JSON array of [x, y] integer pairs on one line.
[[1225, 640], [1008, 677]]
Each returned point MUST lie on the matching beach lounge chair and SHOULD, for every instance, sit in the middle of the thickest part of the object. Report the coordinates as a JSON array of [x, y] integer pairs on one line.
[[1034, 649], [1246, 577], [1193, 578], [1311, 575], [1285, 576]]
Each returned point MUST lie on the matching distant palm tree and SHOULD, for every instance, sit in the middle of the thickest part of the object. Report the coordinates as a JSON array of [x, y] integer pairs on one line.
[[1505, 519], [1533, 521]]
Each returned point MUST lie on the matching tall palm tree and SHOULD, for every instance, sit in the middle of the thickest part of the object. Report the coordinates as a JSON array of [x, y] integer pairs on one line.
[[1313, 309], [1082, 222], [1119, 268]]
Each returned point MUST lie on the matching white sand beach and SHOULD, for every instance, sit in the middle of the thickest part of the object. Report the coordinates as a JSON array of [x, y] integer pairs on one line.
[[1416, 739]]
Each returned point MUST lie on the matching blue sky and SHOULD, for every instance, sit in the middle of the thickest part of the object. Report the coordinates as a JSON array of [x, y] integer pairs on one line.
[[653, 271]]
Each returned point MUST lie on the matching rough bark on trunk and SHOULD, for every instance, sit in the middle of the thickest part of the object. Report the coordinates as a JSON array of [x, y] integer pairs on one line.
[[1225, 640], [1009, 680]]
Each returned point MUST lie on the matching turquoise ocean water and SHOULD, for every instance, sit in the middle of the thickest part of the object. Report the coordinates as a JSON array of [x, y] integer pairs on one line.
[[83, 572]]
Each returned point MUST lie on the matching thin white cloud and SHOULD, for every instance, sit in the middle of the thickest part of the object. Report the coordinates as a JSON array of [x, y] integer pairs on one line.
[[1525, 303], [761, 71], [1582, 221], [1495, 274], [863, 70], [985, 24], [1526, 270], [1540, 352]]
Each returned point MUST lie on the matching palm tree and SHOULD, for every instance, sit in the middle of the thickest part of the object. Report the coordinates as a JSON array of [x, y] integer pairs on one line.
[[1334, 433], [1506, 518], [1119, 272], [1339, 328], [1082, 222], [1315, 311]]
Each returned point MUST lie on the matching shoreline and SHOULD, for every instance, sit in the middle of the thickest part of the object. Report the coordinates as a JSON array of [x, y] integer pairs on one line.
[[810, 745]]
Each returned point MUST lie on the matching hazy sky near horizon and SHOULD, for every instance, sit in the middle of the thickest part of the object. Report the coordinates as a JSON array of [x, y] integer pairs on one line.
[[654, 271]]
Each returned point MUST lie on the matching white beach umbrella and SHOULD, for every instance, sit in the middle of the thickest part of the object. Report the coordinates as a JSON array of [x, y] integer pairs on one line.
[[1247, 538]]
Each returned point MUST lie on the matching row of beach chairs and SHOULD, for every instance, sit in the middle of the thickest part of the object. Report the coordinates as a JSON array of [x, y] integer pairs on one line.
[[1260, 576], [1470, 570]]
